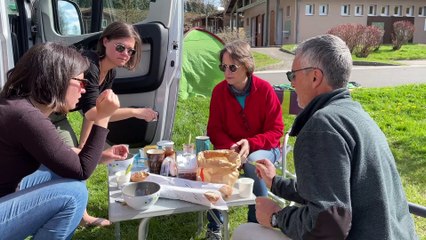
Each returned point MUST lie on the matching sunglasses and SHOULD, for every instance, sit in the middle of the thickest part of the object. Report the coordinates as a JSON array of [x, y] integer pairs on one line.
[[292, 74], [121, 48], [82, 81], [232, 67]]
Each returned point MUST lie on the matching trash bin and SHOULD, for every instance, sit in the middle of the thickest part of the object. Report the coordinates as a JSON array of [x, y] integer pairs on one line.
[[288, 99]]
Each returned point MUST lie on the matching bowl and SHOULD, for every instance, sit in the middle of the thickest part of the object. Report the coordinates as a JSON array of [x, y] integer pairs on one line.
[[121, 164], [141, 195]]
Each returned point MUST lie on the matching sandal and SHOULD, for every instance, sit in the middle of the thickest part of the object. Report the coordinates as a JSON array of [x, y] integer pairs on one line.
[[98, 222]]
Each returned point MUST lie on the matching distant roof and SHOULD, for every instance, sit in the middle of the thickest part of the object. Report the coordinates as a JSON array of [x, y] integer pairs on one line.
[[230, 6]]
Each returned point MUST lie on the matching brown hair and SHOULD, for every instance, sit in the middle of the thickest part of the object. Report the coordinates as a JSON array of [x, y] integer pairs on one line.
[[240, 51], [117, 30], [43, 73]]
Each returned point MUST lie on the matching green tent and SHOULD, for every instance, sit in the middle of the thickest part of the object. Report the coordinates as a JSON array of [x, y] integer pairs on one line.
[[200, 61]]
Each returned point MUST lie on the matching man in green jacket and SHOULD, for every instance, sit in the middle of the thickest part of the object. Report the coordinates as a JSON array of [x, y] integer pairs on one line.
[[347, 182]]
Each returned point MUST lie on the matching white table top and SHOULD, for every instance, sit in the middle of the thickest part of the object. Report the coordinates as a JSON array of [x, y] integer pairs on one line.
[[118, 212]]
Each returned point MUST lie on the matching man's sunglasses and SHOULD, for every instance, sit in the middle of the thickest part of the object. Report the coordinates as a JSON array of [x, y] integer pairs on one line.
[[121, 48], [82, 81], [232, 67], [292, 74]]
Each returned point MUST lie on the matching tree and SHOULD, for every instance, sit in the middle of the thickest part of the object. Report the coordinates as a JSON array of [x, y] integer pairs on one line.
[[204, 8]]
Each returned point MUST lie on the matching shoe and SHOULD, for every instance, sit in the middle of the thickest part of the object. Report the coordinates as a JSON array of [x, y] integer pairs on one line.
[[210, 235]]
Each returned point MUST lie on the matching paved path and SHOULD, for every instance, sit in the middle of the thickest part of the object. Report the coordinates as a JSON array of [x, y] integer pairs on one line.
[[412, 72]]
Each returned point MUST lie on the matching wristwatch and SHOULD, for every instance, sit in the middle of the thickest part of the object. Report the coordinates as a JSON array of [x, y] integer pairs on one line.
[[274, 220]]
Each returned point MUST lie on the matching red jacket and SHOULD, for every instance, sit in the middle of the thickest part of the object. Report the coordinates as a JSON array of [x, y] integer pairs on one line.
[[260, 122]]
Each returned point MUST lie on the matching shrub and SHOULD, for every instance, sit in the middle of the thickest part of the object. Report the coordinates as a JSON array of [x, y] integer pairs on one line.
[[348, 33], [368, 41], [361, 40], [402, 32], [228, 36]]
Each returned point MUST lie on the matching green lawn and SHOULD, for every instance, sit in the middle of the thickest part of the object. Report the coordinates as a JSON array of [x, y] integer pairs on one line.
[[261, 60], [398, 111], [385, 54]]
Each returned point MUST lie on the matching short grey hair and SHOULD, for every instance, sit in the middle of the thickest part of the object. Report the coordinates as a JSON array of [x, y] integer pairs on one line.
[[330, 54], [240, 51]]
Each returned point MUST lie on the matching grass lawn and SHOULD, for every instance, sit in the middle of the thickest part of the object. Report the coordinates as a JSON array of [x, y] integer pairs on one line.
[[261, 60], [385, 54], [399, 112]]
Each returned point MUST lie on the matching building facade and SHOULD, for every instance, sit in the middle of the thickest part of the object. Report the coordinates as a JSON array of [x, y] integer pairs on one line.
[[276, 22]]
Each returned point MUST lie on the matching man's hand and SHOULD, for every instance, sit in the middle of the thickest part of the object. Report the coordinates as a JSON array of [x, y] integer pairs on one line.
[[116, 152], [106, 104], [265, 207], [265, 170]]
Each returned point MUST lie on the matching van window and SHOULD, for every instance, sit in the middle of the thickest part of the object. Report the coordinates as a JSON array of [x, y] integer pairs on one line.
[[131, 11]]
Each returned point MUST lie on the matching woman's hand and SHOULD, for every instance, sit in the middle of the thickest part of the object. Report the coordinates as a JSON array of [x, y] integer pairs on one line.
[[242, 147], [265, 207], [146, 114], [265, 170], [116, 152], [106, 104]]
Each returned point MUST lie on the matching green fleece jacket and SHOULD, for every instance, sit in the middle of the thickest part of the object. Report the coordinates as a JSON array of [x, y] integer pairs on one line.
[[347, 180]]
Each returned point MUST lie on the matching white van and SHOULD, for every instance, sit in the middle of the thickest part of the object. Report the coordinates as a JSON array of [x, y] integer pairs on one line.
[[155, 82]]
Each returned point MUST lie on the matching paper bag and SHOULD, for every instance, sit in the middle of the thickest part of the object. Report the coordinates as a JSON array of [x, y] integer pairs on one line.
[[218, 166]]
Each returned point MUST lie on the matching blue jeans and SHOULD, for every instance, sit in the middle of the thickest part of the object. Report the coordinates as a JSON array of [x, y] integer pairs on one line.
[[46, 207], [259, 187]]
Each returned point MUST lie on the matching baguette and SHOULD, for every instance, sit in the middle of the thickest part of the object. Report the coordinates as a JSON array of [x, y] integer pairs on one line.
[[226, 191], [213, 197]]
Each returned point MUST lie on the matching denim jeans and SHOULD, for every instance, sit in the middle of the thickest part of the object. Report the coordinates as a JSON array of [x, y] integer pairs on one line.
[[46, 207], [259, 187]]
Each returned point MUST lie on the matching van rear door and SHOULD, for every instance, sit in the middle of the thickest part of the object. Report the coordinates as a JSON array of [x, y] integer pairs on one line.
[[154, 83]]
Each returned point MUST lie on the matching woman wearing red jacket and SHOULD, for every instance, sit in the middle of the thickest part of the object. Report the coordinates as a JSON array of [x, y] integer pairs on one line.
[[245, 115]]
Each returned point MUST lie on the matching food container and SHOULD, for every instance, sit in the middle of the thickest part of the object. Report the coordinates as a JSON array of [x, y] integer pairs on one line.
[[187, 166]]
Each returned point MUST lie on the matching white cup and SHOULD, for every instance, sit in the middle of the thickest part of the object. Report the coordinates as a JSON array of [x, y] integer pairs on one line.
[[245, 187], [122, 178]]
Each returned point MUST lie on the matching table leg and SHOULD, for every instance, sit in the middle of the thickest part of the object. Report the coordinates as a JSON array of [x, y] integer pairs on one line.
[[117, 231], [200, 223], [225, 225], [143, 229]]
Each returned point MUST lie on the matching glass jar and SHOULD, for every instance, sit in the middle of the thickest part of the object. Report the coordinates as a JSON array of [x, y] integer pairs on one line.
[[170, 155]]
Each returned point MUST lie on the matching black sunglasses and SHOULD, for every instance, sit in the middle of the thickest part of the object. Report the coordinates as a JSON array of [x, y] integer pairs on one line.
[[121, 48], [232, 67], [291, 74], [82, 81]]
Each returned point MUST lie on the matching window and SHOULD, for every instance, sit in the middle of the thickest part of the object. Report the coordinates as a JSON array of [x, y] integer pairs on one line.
[[372, 10], [409, 11], [287, 11], [359, 10], [309, 9], [345, 10], [385, 10], [397, 10], [323, 9], [422, 11]]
